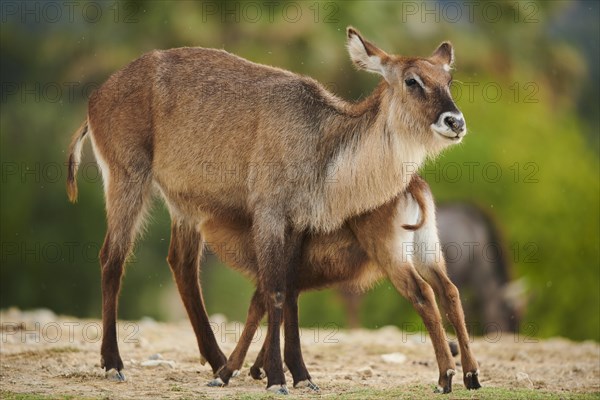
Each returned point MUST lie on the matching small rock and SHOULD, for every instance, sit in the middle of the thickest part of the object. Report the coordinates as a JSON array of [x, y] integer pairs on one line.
[[42, 316], [148, 322], [424, 363], [393, 358], [389, 330], [155, 356], [365, 372], [453, 348], [523, 380], [158, 363]]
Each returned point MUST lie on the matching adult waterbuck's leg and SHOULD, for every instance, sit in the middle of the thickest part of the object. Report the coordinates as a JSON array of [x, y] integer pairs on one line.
[[126, 196], [292, 349], [184, 257], [429, 261], [277, 248]]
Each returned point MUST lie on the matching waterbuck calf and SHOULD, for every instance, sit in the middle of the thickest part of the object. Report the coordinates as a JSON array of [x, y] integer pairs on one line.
[[297, 160], [397, 240]]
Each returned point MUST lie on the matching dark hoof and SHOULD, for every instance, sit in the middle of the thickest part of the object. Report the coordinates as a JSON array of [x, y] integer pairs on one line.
[[217, 382], [225, 374], [445, 382], [111, 362], [453, 348], [278, 389], [114, 375], [472, 380], [257, 373], [308, 384]]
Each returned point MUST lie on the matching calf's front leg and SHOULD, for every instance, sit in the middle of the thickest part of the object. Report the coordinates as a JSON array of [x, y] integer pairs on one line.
[[384, 238], [410, 284], [430, 264]]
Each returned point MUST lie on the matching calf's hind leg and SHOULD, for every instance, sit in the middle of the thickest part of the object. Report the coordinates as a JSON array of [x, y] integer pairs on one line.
[[292, 349], [255, 314]]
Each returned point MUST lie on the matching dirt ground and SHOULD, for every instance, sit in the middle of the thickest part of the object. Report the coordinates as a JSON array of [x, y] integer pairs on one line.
[[44, 354]]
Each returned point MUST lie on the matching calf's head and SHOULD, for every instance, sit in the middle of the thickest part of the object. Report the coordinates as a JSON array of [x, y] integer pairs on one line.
[[420, 102]]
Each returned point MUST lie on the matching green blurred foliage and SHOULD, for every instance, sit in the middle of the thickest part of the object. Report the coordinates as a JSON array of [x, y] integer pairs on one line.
[[540, 131]]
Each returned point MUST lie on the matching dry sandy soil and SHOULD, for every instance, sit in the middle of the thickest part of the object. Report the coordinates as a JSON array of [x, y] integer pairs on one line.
[[43, 354]]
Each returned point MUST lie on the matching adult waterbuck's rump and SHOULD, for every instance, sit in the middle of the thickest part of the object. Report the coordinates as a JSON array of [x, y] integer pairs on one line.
[[231, 145]]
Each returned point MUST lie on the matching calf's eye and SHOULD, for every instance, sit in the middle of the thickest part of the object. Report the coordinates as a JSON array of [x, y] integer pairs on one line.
[[410, 82]]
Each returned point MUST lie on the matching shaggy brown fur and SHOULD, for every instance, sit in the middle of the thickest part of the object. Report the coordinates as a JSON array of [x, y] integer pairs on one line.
[[247, 152]]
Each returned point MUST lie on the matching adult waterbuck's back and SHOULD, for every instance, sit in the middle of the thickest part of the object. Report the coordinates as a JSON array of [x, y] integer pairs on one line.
[[234, 146]]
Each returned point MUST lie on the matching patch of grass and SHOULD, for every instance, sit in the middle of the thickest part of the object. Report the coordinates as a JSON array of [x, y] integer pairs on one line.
[[66, 349], [175, 388], [32, 396], [42, 353]]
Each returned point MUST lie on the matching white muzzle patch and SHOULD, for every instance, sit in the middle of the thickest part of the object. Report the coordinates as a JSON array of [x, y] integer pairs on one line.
[[450, 125]]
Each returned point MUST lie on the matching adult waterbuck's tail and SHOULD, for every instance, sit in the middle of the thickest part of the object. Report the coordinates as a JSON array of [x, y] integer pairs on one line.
[[74, 159]]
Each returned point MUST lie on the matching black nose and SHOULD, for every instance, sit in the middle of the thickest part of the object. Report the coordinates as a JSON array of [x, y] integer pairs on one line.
[[456, 124]]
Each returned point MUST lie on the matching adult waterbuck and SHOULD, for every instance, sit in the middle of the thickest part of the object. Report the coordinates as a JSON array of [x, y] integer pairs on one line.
[[235, 146]]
